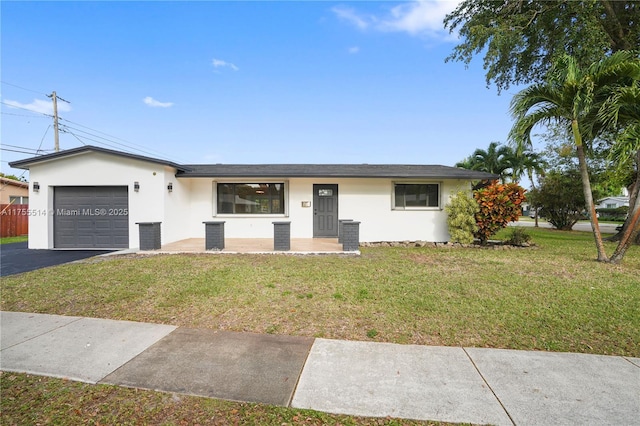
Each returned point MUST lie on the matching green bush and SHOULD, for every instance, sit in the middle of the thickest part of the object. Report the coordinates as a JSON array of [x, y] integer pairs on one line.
[[616, 214], [518, 236], [461, 212]]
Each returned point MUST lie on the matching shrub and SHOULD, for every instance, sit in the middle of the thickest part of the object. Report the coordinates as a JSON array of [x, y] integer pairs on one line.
[[518, 236], [561, 197], [618, 213], [461, 219], [499, 204]]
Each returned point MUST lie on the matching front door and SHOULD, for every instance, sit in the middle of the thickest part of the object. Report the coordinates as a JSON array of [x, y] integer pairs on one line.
[[325, 210]]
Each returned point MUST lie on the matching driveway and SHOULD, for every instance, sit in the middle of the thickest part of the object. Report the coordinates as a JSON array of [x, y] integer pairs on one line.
[[16, 258]]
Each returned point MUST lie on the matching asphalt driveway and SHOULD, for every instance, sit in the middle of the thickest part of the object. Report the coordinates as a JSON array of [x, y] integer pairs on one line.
[[16, 258]]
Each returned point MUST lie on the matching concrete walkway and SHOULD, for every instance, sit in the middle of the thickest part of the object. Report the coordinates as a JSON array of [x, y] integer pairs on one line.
[[453, 384]]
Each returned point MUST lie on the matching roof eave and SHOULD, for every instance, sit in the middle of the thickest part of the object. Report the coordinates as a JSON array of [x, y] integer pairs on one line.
[[330, 175], [26, 163]]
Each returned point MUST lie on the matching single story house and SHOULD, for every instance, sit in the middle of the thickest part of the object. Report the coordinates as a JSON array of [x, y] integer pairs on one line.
[[13, 191], [93, 198], [613, 202]]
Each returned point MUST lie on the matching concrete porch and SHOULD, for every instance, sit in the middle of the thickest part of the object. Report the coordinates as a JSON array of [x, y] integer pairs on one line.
[[258, 245]]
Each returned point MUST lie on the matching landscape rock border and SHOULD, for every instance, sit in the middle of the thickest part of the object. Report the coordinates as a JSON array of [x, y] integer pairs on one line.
[[491, 245]]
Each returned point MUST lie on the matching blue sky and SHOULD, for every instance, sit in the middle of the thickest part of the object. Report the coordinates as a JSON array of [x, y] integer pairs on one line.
[[245, 82]]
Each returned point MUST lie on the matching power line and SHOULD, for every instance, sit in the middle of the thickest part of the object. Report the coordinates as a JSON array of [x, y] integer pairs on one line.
[[15, 150], [66, 130], [16, 146], [130, 145], [26, 109], [77, 138], [22, 115], [66, 127], [23, 88], [26, 148], [42, 140]]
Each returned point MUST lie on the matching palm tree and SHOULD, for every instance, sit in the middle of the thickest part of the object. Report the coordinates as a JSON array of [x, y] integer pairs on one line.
[[496, 159], [572, 96], [528, 162]]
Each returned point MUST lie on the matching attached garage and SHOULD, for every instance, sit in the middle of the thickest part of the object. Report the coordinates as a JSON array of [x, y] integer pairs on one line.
[[91, 217]]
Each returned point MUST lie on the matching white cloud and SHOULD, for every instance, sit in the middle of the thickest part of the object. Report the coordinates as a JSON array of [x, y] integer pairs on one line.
[[219, 63], [156, 104], [350, 15], [417, 18], [38, 105], [353, 50]]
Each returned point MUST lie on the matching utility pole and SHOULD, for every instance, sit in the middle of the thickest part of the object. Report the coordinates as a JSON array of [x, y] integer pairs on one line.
[[54, 97]]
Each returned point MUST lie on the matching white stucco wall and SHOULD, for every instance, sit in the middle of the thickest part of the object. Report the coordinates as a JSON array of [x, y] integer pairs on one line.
[[368, 201], [96, 169], [177, 207]]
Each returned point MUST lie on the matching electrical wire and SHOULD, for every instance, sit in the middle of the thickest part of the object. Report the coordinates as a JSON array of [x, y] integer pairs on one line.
[[22, 115], [42, 140], [26, 109], [15, 150], [16, 146], [23, 88], [66, 127], [77, 138], [66, 130], [128, 144]]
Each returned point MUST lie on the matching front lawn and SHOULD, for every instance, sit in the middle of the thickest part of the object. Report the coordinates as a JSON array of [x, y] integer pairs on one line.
[[552, 297]]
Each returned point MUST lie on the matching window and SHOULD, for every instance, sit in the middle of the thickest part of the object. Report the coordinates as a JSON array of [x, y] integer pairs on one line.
[[18, 200], [416, 196], [250, 198]]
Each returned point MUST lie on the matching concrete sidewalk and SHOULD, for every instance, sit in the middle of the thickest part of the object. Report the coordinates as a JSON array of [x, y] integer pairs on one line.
[[461, 385]]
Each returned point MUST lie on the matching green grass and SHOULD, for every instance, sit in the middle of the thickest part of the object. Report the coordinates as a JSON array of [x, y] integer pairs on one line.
[[8, 240], [553, 297]]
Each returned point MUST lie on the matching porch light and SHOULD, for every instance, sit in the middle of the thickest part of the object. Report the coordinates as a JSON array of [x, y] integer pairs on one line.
[[170, 187], [36, 187], [136, 186]]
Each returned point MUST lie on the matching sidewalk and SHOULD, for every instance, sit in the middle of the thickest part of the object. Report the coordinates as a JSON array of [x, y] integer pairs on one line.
[[453, 384]]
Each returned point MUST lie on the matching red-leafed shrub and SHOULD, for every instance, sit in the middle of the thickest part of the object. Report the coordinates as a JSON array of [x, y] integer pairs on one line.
[[499, 204]]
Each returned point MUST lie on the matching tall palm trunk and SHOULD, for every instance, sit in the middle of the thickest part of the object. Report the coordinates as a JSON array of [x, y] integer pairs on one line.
[[533, 186], [631, 229], [588, 195]]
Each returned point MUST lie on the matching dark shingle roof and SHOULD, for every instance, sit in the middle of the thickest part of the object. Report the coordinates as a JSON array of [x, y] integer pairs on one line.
[[24, 164], [396, 171]]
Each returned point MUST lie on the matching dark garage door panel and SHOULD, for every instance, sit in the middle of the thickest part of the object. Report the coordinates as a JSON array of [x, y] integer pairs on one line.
[[91, 217]]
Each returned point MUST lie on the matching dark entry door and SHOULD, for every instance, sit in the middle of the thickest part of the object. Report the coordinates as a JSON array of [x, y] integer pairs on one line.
[[325, 210]]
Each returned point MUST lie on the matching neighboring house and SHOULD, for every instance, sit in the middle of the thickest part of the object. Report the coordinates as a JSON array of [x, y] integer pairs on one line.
[[612, 202], [13, 191], [91, 197]]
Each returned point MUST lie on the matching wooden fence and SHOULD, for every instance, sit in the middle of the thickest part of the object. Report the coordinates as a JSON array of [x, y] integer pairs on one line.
[[14, 220]]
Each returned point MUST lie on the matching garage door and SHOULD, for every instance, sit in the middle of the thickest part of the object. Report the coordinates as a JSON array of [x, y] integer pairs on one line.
[[91, 217]]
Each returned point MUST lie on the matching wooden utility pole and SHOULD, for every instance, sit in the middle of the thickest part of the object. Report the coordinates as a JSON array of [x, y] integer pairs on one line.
[[56, 136], [54, 97]]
